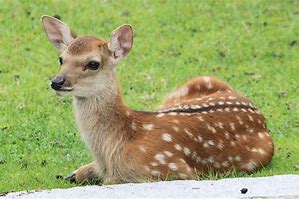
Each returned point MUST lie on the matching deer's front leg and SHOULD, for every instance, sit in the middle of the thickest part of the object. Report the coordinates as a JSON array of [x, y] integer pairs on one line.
[[85, 174]]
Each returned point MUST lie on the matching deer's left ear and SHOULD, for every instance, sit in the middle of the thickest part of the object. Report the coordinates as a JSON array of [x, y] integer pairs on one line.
[[121, 42]]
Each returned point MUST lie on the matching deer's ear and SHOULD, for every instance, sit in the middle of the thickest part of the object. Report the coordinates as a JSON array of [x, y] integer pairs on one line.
[[58, 33], [121, 42]]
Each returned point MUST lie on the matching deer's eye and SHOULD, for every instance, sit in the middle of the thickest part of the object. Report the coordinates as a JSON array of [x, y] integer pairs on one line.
[[93, 65], [60, 60]]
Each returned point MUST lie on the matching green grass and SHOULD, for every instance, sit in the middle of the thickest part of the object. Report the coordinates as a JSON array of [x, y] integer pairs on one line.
[[254, 45]]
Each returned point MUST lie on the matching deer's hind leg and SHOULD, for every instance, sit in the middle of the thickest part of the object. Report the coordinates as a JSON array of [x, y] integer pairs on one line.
[[197, 87]]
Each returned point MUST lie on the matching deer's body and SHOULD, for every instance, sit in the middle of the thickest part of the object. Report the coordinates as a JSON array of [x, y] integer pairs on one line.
[[203, 125]]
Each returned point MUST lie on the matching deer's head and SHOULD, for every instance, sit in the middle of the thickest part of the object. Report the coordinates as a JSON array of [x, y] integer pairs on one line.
[[87, 63]]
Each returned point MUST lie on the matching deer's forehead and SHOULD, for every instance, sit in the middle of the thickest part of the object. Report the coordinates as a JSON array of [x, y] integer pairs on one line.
[[82, 45]]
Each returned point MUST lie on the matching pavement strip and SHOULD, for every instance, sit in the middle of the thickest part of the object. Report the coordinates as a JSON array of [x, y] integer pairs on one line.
[[280, 186]]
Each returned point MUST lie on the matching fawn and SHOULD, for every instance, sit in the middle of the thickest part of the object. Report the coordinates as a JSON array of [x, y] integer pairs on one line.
[[203, 125]]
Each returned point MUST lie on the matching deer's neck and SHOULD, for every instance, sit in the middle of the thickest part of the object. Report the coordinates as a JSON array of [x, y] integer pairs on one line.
[[103, 123]]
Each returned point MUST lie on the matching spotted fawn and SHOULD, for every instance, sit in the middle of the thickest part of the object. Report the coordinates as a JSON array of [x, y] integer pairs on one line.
[[204, 125]]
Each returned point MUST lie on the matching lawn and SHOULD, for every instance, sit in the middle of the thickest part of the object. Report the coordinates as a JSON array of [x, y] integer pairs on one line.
[[254, 45]]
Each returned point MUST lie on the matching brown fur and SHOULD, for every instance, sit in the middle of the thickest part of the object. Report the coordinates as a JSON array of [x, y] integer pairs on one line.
[[85, 44], [203, 125], [128, 163]]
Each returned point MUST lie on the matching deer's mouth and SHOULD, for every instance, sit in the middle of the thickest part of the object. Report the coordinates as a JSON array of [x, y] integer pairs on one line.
[[66, 89]]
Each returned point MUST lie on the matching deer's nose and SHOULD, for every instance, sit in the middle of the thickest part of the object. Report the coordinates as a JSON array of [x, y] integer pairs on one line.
[[57, 82]]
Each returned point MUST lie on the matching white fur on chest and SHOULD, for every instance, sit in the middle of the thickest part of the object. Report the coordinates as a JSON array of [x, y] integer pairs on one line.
[[99, 131]]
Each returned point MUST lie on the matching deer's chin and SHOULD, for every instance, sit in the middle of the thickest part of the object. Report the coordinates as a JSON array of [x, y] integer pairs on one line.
[[64, 92]]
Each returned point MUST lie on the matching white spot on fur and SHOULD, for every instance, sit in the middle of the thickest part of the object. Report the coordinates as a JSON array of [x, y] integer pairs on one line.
[[199, 138], [188, 133], [146, 168], [211, 128], [183, 91], [238, 158], [220, 145], [182, 160], [206, 145], [232, 126], [178, 147], [173, 113], [155, 173], [247, 148], [187, 151], [250, 118], [205, 105], [212, 104], [226, 135], [250, 130], [167, 137], [244, 103], [211, 159], [211, 142], [250, 166], [176, 129], [224, 164], [261, 135], [160, 115], [231, 97], [200, 118], [154, 164], [198, 159], [208, 82], [220, 125], [183, 175], [134, 126], [194, 154], [141, 147], [160, 158], [261, 151], [168, 153], [239, 120], [172, 166], [220, 102], [217, 165], [148, 127], [188, 168], [195, 106], [251, 111], [204, 162], [227, 109]]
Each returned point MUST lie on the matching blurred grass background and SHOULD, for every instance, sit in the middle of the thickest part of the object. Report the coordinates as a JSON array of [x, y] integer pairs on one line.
[[251, 44]]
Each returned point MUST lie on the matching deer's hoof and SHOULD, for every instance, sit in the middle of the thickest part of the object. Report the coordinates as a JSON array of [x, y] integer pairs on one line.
[[71, 178]]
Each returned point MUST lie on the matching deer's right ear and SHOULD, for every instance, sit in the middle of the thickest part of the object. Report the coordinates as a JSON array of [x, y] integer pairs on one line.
[[58, 33]]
